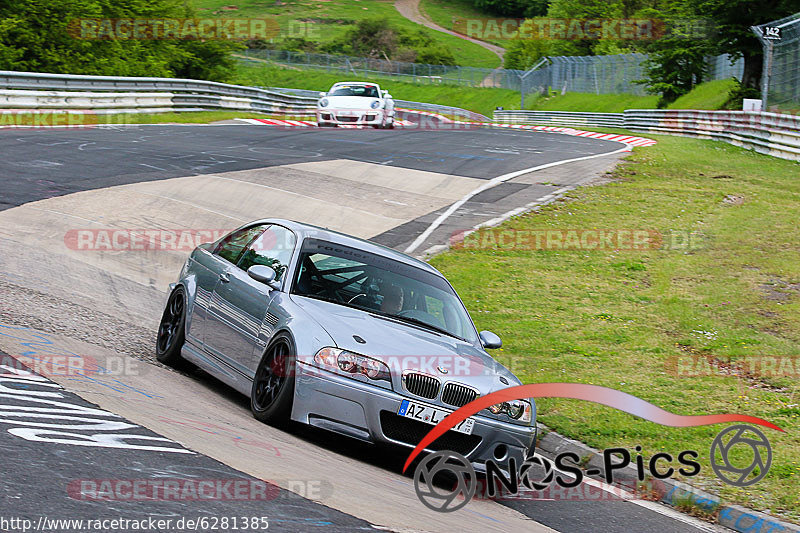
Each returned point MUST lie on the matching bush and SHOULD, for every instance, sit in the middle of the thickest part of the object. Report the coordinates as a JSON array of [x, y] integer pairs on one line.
[[380, 39], [523, 54], [436, 54], [737, 95], [298, 44]]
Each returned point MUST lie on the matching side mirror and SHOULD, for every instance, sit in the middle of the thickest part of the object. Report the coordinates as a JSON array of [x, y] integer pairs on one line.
[[263, 274], [322, 94], [387, 95], [489, 340]]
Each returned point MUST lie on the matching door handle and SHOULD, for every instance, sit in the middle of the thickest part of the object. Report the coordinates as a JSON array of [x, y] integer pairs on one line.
[[224, 278]]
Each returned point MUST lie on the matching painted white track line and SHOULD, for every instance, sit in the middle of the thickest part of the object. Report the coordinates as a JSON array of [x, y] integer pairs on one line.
[[493, 183]]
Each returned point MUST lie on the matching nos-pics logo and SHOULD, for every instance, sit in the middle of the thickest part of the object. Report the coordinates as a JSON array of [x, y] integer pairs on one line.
[[446, 481]]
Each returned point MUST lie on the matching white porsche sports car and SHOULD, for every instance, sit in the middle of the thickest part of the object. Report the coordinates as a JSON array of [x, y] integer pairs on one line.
[[355, 103]]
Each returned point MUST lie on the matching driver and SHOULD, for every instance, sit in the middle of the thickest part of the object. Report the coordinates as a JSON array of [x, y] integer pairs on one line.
[[392, 299]]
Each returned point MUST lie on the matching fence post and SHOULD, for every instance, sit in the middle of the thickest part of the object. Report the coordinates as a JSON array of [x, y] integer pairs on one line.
[[767, 74]]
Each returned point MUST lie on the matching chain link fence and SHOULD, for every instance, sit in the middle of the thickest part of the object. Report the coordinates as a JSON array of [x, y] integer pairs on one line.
[[369, 67], [780, 80], [723, 67], [586, 74]]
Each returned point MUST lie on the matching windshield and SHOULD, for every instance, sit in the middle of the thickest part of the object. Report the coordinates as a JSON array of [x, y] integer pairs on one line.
[[355, 278], [369, 91]]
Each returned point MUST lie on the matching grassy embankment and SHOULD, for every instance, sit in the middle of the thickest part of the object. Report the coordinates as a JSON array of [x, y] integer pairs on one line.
[[622, 318]]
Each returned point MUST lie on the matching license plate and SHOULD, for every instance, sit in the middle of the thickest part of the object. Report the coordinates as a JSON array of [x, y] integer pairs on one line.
[[432, 415]]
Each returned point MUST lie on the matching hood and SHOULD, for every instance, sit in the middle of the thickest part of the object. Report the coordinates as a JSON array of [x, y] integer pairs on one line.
[[407, 347], [350, 102]]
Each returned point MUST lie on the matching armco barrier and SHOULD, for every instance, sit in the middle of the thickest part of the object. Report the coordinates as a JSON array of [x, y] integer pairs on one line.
[[31, 90], [774, 134], [82, 100], [104, 94], [565, 118]]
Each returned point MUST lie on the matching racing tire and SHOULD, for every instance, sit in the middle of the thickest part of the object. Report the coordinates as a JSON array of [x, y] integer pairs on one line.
[[172, 330], [272, 395]]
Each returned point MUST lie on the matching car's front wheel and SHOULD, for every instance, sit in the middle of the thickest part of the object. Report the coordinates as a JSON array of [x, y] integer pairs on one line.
[[273, 386], [171, 330]]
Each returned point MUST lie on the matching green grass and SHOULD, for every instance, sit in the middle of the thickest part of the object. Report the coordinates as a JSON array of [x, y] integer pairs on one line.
[[324, 20], [602, 103], [191, 117], [618, 318], [445, 12], [708, 95], [480, 99]]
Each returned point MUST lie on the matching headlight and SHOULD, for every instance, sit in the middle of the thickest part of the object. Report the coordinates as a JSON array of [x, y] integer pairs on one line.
[[323, 102], [517, 409], [352, 364], [376, 104]]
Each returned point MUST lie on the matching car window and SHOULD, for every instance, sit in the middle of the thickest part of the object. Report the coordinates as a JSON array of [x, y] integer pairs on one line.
[[369, 91], [273, 248], [232, 246], [381, 285]]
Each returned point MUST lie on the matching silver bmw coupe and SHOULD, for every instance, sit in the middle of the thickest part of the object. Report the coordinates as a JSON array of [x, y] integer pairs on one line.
[[342, 334]]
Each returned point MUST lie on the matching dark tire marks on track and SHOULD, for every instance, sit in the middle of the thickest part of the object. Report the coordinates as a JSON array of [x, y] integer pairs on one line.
[[40, 164]]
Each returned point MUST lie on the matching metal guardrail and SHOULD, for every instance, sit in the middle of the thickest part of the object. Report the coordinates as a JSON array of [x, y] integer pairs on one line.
[[564, 118], [30, 90], [773, 134]]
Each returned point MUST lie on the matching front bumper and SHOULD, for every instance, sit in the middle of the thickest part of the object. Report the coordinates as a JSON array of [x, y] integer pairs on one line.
[[342, 117], [368, 412]]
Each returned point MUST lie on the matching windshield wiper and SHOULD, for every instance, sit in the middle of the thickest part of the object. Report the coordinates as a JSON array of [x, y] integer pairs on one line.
[[422, 323]]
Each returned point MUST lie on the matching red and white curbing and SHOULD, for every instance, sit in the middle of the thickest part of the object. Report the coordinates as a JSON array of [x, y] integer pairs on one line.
[[310, 123], [629, 140], [624, 139]]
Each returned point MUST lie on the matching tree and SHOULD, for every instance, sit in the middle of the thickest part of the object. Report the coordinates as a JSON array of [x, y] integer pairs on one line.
[[732, 20], [512, 8], [673, 67], [35, 35]]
